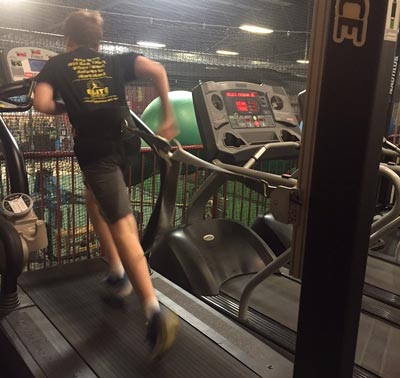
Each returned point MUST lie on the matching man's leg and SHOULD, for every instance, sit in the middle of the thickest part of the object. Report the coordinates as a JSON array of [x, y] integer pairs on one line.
[[120, 241], [162, 326], [118, 283], [103, 233], [125, 235], [107, 184]]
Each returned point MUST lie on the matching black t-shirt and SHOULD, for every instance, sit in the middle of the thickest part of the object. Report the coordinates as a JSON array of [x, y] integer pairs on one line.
[[91, 85]]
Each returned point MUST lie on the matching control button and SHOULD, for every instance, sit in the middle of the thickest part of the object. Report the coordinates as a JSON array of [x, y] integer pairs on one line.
[[255, 118], [269, 121], [234, 124], [256, 124]]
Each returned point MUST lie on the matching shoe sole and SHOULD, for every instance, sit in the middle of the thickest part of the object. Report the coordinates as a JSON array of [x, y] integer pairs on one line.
[[169, 328]]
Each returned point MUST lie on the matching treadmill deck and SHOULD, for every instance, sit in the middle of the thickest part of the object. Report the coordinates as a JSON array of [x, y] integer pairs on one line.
[[278, 298], [99, 340]]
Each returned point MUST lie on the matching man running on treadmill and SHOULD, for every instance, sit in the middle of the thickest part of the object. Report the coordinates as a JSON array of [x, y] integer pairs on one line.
[[91, 85]]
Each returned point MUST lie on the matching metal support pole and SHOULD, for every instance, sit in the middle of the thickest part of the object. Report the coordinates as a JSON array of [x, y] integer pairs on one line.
[[353, 47]]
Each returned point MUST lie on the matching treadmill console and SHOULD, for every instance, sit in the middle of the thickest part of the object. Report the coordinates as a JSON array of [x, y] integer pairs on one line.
[[236, 118], [18, 65], [24, 62]]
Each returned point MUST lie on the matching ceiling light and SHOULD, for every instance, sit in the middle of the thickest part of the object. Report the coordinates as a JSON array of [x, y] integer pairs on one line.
[[302, 61], [226, 52], [153, 45], [255, 29], [8, 2]]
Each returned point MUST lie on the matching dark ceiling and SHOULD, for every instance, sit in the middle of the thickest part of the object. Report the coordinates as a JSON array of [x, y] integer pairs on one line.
[[198, 26]]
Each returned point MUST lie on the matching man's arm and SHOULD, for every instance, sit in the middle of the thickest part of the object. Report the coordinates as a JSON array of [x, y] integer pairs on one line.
[[145, 67], [43, 100]]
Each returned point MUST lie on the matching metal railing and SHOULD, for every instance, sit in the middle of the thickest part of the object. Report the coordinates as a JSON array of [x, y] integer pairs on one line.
[[56, 186]]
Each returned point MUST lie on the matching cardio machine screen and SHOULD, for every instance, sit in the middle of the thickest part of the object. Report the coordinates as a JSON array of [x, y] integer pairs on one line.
[[242, 102], [247, 109], [36, 65]]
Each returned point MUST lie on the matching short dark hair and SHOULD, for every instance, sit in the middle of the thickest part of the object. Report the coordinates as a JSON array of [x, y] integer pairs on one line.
[[84, 27]]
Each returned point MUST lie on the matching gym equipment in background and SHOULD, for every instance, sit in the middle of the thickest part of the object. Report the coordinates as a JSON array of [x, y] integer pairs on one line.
[[223, 262]]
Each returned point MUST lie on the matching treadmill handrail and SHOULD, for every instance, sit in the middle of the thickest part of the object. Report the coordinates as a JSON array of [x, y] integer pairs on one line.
[[279, 146], [15, 89], [390, 146], [385, 224], [14, 161], [270, 178], [167, 174], [259, 277], [379, 227], [13, 248]]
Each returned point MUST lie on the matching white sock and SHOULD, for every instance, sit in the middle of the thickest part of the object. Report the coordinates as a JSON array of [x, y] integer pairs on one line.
[[117, 270], [150, 307]]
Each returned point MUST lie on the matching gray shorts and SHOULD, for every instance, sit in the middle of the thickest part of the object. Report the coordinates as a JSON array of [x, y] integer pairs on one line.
[[106, 180]]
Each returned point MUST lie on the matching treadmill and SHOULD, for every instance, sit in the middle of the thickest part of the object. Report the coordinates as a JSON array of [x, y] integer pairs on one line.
[[383, 272], [382, 277], [215, 259], [54, 323]]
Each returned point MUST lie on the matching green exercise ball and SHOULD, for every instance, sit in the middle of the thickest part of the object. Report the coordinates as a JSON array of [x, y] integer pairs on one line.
[[182, 104]]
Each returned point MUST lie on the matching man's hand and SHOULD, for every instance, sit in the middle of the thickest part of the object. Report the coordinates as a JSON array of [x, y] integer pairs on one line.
[[145, 67], [168, 129], [43, 100]]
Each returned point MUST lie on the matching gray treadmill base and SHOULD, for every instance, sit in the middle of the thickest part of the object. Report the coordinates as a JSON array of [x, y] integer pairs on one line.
[[110, 341]]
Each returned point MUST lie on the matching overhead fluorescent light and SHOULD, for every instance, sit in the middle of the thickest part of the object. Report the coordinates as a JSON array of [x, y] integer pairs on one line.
[[8, 2], [255, 29], [153, 45], [302, 61], [226, 52]]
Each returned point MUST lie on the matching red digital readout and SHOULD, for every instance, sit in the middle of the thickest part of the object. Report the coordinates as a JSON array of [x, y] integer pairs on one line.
[[242, 107], [246, 106], [253, 106], [241, 94]]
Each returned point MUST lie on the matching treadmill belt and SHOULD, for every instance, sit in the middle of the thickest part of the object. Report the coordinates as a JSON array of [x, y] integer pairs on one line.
[[384, 275], [110, 339], [278, 298]]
